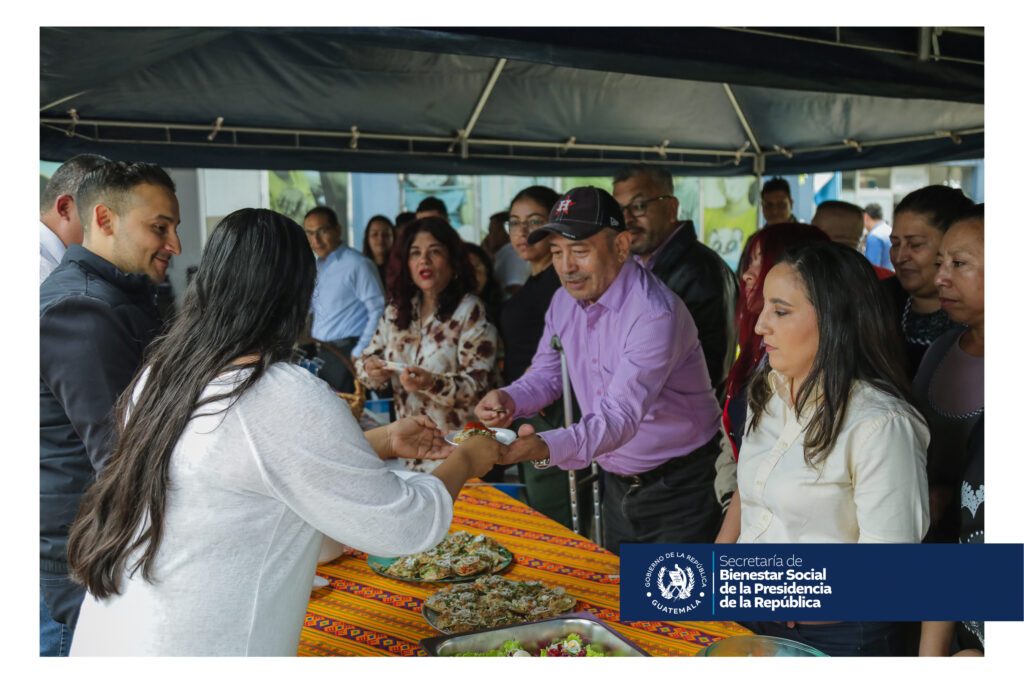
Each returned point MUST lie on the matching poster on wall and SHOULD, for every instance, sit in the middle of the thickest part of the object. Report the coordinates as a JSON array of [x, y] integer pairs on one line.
[[293, 193], [455, 191], [730, 215]]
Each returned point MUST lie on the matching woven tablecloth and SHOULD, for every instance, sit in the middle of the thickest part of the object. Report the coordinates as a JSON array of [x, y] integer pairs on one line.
[[363, 613]]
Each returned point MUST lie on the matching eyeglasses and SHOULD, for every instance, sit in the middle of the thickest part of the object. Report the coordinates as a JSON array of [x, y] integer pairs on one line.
[[530, 224], [638, 207], [320, 232]]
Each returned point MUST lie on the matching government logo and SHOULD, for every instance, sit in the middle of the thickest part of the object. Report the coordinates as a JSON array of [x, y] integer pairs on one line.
[[676, 583]]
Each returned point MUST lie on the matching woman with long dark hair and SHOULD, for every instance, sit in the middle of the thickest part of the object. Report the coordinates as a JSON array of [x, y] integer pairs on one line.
[[433, 345], [762, 250], [201, 534], [377, 242], [833, 451], [918, 224]]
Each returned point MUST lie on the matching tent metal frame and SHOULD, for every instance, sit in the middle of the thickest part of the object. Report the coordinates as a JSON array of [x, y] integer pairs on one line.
[[71, 126]]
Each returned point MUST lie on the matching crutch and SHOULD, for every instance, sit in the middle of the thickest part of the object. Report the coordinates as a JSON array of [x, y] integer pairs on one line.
[[594, 476]]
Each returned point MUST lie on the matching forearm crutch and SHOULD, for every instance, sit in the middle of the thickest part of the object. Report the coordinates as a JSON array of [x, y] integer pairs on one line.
[[594, 477]]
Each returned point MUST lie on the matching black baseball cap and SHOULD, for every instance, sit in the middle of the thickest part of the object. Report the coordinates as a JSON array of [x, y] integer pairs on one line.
[[580, 213]]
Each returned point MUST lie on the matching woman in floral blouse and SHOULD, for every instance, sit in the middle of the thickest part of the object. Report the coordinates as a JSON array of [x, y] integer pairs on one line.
[[436, 328]]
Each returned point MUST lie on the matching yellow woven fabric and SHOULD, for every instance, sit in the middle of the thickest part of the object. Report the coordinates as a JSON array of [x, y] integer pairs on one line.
[[363, 613]]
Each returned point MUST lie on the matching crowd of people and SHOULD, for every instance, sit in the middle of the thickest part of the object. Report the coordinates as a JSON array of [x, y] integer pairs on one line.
[[190, 471]]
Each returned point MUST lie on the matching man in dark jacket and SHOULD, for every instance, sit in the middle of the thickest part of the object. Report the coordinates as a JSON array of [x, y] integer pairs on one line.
[[96, 317], [669, 248]]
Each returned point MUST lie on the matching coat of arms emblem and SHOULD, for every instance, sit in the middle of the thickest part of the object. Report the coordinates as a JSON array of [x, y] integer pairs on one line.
[[680, 583]]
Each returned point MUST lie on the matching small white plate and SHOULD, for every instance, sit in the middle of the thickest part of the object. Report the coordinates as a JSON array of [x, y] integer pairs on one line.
[[505, 436], [394, 365]]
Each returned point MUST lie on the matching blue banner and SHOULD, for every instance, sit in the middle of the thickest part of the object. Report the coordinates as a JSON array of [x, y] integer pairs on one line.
[[822, 582]]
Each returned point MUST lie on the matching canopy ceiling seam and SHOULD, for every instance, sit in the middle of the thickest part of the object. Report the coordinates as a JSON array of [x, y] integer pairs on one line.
[[867, 48]]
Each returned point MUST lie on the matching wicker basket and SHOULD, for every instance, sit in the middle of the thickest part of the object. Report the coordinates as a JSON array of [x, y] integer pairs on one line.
[[356, 400]]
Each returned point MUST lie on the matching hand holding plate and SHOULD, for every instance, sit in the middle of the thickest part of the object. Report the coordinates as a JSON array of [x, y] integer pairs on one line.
[[528, 447]]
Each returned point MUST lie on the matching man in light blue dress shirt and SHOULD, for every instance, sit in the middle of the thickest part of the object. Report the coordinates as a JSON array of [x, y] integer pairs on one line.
[[348, 300], [876, 242]]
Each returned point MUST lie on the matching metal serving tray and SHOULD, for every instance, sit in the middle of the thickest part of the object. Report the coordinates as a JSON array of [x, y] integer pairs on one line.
[[535, 634]]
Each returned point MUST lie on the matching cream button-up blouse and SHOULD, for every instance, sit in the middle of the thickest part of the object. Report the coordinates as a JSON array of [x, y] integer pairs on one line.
[[872, 487]]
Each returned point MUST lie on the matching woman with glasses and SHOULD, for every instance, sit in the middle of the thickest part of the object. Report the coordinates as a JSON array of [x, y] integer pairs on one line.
[[522, 324]]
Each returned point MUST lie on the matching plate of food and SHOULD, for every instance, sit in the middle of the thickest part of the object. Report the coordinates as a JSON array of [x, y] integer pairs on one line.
[[494, 601], [580, 634], [505, 436], [461, 556]]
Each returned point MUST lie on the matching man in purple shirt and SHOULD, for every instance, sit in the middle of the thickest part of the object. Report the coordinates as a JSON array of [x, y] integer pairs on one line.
[[650, 418]]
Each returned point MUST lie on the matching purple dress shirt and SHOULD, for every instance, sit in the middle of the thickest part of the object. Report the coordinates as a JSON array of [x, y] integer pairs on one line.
[[639, 375]]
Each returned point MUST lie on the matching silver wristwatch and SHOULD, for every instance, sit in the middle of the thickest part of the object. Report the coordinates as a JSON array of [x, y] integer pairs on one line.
[[543, 463]]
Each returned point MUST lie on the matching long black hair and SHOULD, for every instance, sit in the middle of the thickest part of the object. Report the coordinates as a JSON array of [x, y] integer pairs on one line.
[[401, 290], [250, 295], [857, 340]]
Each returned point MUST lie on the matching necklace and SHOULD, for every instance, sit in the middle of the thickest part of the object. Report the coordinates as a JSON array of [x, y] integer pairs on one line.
[[931, 325]]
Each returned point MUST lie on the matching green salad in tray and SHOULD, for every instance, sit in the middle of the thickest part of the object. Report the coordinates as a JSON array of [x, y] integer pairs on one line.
[[570, 646]]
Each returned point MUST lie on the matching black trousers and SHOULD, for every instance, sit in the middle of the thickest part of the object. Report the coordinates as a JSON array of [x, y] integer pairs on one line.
[[843, 639], [676, 507]]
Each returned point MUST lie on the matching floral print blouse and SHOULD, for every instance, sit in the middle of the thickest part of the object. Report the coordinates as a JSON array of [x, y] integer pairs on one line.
[[460, 352]]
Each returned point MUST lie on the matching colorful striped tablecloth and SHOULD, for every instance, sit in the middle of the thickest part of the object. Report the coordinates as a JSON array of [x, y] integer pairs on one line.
[[363, 613]]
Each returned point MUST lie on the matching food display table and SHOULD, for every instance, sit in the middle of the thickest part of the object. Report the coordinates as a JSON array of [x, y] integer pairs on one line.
[[364, 614]]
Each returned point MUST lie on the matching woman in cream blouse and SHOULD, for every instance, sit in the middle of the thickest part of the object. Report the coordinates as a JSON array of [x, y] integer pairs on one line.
[[833, 451]]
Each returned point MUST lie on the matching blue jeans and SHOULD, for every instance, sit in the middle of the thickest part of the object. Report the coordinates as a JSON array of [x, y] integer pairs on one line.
[[54, 637], [59, 601]]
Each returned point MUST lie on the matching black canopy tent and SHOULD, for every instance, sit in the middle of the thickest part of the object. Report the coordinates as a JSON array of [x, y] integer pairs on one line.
[[537, 101]]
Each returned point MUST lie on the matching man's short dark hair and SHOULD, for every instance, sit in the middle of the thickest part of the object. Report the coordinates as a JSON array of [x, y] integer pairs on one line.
[[873, 210], [403, 219], [325, 211], [112, 183], [842, 207], [433, 204], [67, 178], [659, 174], [776, 184]]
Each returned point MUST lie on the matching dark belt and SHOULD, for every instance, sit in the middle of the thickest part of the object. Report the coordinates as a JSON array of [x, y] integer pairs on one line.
[[650, 476]]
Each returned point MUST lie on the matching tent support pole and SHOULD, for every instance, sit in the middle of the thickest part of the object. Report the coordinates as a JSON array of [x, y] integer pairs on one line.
[[742, 118], [464, 133]]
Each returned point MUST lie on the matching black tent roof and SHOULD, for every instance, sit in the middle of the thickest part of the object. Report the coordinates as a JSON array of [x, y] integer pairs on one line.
[[539, 101]]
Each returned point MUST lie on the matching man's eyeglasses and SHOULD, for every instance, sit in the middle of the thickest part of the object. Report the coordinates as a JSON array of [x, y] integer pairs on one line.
[[638, 207], [320, 232], [530, 224]]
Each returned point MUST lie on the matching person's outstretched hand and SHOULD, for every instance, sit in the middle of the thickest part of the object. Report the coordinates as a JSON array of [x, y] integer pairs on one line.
[[417, 437]]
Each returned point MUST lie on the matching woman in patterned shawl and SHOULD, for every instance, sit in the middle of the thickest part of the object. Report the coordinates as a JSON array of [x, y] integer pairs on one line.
[[433, 345]]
